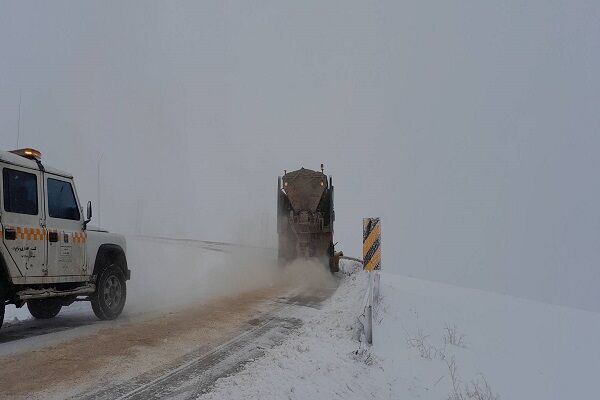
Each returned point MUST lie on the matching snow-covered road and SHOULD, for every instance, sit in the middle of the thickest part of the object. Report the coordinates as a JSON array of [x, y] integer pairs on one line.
[[177, 354], [194, 314]]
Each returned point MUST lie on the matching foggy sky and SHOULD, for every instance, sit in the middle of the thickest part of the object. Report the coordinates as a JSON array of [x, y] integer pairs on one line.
[[471, 128]]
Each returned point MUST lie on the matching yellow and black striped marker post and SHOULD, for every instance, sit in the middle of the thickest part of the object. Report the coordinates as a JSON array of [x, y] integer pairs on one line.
[[371, 244]]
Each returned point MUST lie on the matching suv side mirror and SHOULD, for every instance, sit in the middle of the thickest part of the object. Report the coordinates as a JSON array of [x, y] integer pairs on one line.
[[88, 216]]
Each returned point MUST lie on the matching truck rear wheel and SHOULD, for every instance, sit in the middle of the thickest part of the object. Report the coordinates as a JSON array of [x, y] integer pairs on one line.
[[44, 308], [109, 299]]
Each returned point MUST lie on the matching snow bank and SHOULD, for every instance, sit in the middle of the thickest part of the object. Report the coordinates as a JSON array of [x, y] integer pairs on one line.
[[318, 361], [524, 349]]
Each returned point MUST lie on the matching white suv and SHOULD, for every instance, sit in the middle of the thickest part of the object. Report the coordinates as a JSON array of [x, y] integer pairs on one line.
[[49, 257]]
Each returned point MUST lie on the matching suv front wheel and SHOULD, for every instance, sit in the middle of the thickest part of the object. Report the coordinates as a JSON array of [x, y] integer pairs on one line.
[[109, 299]]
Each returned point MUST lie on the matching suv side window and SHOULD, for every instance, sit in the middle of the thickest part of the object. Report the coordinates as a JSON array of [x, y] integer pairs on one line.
[[61, 200], [20, 192]]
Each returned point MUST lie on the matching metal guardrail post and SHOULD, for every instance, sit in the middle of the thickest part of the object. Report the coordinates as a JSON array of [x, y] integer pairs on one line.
[[369, 327], [369, 311], [376, 278]]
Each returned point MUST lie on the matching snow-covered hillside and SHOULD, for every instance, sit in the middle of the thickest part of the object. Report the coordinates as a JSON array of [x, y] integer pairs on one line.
[[495, 345], [524, 349]]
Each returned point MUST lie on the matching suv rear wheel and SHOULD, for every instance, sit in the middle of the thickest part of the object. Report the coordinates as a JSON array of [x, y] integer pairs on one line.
[[44, 308], [109, 299]]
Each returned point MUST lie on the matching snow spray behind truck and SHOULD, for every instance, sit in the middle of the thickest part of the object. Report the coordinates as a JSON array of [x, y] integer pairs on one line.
[[305, 217]]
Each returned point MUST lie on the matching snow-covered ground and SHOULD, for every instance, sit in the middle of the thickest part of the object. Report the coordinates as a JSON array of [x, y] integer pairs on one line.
[[318, 361], [524, 349], [424, 333], [499, 346]]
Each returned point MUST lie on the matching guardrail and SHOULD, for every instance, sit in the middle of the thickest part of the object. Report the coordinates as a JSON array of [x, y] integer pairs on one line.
[[198, 241]]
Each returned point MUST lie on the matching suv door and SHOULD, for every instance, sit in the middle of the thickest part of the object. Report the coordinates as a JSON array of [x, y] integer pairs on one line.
[[64, 222], [22, 219]]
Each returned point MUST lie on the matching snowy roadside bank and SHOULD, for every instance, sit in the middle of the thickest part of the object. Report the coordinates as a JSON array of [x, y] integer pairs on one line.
[[318, 361], [524, 349], [431, 341]]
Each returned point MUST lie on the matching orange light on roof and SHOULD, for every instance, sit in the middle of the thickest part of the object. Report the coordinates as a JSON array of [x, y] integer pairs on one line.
[[30, 153]]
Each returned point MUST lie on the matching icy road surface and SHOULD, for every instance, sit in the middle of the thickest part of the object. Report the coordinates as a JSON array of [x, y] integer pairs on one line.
[[173, 355]]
